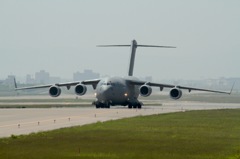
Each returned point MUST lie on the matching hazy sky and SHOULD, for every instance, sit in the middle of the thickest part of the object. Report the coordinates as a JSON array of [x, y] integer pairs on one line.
[[60, 36]]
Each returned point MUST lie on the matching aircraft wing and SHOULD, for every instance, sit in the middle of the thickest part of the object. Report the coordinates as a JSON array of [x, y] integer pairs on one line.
[[161, 86], [93, 82]]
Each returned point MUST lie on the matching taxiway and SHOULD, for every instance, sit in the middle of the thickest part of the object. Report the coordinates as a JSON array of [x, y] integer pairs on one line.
[[25, 121]]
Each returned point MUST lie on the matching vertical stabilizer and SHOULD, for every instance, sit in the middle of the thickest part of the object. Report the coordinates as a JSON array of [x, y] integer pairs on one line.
[[134, 46], [132, 57]]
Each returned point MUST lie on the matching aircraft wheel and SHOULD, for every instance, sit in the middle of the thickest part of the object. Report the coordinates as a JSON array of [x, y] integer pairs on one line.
[[107, 105], [97, 106], [129, 106], [139, 106]]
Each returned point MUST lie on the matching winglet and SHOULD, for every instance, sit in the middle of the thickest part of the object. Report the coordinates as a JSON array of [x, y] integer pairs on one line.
[[232, 88], [15, 83]]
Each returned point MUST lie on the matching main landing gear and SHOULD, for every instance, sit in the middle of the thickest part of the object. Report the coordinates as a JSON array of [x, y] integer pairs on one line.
[[101, 105], [135, 105], [107, 105]]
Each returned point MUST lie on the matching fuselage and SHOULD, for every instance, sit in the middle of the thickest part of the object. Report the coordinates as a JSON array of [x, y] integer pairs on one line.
[[117, 91]]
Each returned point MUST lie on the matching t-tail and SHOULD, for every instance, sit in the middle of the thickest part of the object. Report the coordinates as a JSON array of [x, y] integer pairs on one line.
[[133, 47]]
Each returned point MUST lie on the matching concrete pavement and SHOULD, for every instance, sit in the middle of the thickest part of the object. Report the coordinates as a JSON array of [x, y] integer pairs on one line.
[[25, 121]]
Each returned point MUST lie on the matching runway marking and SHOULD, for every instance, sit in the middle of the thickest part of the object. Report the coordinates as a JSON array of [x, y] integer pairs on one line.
[[75, 117]]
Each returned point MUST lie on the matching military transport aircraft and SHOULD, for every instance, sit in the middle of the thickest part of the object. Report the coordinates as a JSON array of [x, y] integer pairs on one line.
[[123, 91]]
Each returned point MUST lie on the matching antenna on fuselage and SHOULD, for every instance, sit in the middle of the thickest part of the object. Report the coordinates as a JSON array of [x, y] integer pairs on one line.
[[134, 46]]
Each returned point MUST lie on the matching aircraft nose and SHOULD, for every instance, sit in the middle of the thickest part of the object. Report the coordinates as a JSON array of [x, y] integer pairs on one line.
[[107, 90], [104, 92]]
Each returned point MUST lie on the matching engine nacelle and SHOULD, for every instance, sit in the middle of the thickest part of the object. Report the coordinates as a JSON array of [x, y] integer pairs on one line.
[[80, 89], [54, 91], [175, 93], [145, 90]]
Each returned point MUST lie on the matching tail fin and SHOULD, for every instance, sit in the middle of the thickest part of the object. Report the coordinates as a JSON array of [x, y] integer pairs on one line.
[[134, 46]]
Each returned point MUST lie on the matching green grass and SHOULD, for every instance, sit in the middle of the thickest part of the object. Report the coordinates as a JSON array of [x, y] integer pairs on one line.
[[195, 134], [213, 98], [44, 100], [22, 106], [44, 103], [198, 97]]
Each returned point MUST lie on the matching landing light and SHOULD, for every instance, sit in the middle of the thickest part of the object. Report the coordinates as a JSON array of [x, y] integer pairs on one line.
[[95, 94], [125, 94]]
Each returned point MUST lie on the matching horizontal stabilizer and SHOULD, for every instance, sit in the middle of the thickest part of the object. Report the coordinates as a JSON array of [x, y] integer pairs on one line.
[[156, 46], [135, 46], [113, 45]]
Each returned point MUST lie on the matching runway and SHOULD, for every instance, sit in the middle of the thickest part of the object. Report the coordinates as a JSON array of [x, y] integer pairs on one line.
[[25, 121]]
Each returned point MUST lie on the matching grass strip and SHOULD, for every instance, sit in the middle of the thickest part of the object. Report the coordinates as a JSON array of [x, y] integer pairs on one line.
[[195, 134]]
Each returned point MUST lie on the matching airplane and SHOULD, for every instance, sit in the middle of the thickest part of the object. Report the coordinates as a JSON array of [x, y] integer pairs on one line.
[[124, 91]]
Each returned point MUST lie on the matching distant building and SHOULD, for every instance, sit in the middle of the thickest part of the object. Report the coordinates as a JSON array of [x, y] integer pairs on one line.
[[87, 74], [9, 80], [42, 77], [54, 79], [30, 80]]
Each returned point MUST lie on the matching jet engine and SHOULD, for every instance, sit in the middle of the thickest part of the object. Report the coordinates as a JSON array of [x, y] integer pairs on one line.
[[80, 89], [145, 90], [175, 93], [54, 91]]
